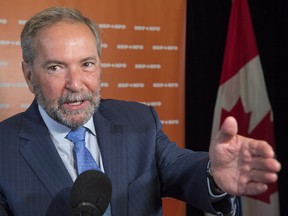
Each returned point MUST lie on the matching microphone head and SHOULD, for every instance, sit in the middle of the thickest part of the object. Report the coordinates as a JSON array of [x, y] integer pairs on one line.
[[91, 193]]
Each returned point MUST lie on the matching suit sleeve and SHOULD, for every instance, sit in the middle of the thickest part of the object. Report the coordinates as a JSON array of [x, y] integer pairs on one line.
[[183, 173]]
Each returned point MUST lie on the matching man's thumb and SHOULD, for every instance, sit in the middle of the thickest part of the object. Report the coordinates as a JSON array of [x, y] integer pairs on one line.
[[228, 129]]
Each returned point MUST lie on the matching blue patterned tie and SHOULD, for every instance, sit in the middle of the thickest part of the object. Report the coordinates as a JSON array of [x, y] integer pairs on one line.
[[85, 161]]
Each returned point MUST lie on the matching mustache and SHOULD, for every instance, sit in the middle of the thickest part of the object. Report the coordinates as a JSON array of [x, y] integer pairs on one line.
[[74, 97]]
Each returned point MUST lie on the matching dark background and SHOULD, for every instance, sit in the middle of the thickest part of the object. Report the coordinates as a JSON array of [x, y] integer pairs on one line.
[[207, 22]]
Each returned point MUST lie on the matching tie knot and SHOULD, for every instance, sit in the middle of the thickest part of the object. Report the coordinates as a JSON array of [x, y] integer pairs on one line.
[[77, 135]]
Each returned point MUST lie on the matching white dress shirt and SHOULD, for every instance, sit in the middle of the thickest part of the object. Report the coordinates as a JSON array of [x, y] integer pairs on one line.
[[64, 146]]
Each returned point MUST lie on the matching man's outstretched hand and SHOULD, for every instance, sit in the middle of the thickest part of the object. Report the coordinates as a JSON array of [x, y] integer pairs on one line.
[[241, 165]]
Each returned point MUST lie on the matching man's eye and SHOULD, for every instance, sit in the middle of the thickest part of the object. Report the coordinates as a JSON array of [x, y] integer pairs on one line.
[[88, 64], [53, 68]]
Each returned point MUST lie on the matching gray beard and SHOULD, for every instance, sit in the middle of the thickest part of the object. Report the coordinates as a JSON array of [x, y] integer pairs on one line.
[[67, 117]]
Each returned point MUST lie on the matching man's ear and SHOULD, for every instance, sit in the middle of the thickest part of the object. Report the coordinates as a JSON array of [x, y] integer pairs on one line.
[[27, 72]]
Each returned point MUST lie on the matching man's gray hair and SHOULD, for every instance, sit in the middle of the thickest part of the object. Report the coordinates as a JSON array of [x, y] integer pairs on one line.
[[47, 18]]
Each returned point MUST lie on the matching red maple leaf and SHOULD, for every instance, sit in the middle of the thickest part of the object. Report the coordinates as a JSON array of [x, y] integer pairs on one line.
[[264, 131]]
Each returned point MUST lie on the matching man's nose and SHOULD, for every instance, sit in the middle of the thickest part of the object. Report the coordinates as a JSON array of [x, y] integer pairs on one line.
[[74, 79]]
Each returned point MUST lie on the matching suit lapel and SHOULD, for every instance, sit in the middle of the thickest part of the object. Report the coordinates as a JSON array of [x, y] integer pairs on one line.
[[111, 139], [41, 155]]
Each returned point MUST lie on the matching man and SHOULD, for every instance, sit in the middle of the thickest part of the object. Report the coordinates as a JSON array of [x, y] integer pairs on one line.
[[61, 53]]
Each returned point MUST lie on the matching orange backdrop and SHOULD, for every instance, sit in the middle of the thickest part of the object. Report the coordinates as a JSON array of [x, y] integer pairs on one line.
[[143, 57]]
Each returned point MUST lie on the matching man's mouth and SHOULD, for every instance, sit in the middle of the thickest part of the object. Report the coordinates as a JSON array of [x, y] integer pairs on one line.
[[75, 103]]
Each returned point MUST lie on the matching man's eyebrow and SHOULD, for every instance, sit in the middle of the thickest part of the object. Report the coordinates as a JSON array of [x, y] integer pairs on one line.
[[93, 57]]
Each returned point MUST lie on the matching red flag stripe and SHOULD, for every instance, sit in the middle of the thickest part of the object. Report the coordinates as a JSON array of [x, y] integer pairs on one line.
[[240, 31]]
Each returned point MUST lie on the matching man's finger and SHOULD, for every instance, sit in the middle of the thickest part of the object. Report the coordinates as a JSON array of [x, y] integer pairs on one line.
[[263, 177], [254, 188]]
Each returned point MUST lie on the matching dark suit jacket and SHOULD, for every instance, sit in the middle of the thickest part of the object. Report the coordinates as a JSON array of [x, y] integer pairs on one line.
[[142, 163]]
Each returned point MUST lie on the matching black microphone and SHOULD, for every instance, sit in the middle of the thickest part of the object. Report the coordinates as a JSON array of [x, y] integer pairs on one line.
[[91, 194]]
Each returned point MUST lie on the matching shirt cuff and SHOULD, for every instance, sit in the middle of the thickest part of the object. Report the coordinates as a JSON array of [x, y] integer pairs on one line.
[[214, 191], [221, 199]]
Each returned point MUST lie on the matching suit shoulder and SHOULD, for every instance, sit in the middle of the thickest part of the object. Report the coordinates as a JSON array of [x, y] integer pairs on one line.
[[127, 110], [13, 120], [9, 128], [117, 105]]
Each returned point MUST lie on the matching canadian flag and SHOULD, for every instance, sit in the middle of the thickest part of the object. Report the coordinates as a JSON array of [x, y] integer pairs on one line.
[[242, 94]]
